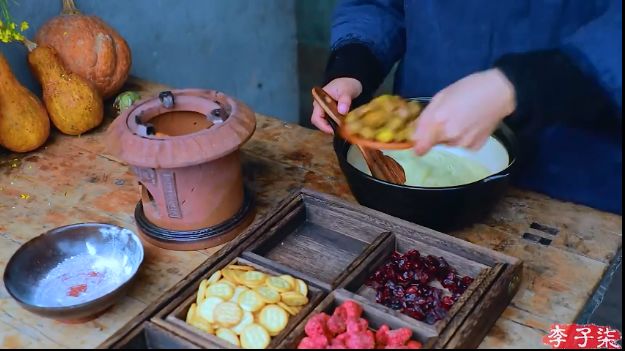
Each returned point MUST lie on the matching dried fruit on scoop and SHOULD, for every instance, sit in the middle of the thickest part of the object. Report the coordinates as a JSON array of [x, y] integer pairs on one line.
[[387, 118]]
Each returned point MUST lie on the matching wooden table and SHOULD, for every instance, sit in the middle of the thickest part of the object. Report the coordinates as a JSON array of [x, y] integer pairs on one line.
[[73, 180]]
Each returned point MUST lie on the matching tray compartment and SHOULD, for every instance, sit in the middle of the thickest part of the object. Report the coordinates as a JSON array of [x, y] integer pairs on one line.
[[371, 313], [356, 282], [151, 336], [176, 320], [317, 241]]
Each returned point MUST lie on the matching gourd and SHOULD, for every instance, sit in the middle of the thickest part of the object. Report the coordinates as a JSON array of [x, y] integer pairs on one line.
[[24, 121], [73, 103], [88, 47]]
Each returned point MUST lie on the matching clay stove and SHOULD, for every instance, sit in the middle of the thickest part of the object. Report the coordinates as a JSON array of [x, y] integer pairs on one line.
[[183, 146]]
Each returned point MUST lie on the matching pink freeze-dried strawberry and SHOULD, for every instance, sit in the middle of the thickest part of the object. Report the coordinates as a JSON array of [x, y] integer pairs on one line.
[[317, 325], [412, 344], [341, 338], [307, 344], [361, 340], [340, 312], [399, 337], [357, 325], [321, 341], [337, 344], [381, 336], [336, 325], [352, 309]]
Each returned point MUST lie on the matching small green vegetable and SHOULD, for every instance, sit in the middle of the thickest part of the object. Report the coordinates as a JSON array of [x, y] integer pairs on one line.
[[125, 100]]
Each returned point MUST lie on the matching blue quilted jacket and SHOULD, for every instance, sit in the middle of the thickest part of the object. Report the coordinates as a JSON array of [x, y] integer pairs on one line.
[[563, 56]]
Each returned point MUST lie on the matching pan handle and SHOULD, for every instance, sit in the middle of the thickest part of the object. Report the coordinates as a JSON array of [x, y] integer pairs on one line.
[[496, 177]]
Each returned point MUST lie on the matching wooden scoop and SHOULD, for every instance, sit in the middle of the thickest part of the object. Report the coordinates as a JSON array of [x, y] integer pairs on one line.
[[382, 167]]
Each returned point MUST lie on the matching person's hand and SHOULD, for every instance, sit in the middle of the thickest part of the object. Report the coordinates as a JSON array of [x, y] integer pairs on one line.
[[344, 90], [465, 113]]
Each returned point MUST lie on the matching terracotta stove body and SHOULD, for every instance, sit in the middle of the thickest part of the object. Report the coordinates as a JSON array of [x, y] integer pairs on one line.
[[183, 146]]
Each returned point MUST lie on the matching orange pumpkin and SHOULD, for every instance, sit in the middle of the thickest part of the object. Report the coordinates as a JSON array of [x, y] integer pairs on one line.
[[88, 47]]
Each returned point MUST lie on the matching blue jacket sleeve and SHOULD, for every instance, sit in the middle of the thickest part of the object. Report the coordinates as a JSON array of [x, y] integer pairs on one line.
[[578, 82], [596, 49], [376, 24]]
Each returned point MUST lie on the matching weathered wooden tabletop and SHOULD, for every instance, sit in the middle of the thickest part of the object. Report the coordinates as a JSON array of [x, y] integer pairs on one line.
[[72, 180]]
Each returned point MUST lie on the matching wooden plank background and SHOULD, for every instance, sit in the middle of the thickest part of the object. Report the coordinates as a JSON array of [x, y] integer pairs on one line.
[[72, 180]]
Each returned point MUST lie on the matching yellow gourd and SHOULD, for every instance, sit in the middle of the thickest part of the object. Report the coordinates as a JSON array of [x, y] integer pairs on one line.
[[24, 122], [73, 103]]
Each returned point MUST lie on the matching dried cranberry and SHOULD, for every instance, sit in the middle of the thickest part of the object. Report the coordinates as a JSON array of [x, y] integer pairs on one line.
[[403, 264], [447, 302], [413, 255], [408, 276], [421, 301], [396, 305], [443, 268], [412, 289], [399, 292], [416, 313], [388, 270], [460, 286], [450, 276], [422, 277], [431, 260], [467, 280], [430, 302], [448, 283], [411, 298]]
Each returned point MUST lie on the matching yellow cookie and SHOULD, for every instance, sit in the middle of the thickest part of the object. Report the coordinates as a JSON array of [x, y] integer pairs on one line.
[[191, 312], [202, 324], [267, 294], [274, 319], [237, 292], [226, 281], [248, 318], [252, 278], [201, 292], [292, 310], [250, 301], [301, 287], [206, 309], [294, 299], [228, 314], [240, 268], [255, 337], [230, 275], [214, 278], [278, 284], [221, 290], [289, 280], [228, 335]]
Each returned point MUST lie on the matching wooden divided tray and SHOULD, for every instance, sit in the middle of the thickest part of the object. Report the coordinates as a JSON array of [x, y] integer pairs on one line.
[[335, 248]]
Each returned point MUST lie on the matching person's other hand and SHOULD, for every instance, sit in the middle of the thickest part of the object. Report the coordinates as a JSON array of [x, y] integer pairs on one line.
[[465, 113], [343, 90]]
